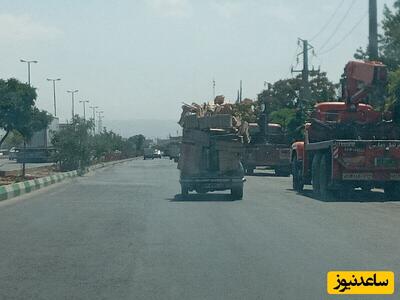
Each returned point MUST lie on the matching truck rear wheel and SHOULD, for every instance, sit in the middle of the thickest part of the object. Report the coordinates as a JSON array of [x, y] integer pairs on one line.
[[297, 181], [392, 191], [324, 192], [237, 192], [282, 172], [315, 166], [184, 190]]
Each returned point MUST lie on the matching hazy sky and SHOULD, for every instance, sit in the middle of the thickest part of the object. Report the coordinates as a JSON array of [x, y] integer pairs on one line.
[[139, 59]]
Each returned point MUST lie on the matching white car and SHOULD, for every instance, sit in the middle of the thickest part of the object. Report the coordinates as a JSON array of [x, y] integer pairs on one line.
[[12, 155]]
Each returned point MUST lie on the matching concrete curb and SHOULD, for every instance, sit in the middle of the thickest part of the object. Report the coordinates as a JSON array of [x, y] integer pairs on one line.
[[24, 187], [20, 188]]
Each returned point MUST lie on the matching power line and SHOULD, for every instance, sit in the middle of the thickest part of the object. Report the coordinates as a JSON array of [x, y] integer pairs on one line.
[[338, 25], [329, 21], [346, 35]]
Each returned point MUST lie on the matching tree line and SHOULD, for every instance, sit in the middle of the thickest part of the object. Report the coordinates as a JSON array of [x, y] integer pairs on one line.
[[76, 145]]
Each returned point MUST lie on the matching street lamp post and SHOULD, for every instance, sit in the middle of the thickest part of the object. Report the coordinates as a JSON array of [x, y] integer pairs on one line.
[[84, 107], [29, 62], [54, 93], [100, 118], [94, 118], [72, 92]]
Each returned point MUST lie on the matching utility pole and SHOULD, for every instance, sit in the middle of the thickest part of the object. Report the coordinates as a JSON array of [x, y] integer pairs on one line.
[[54, 93], [84, 107], [373, 31], [72, 92], [240, 92], [213, 89], [305, 73], [94, 118]]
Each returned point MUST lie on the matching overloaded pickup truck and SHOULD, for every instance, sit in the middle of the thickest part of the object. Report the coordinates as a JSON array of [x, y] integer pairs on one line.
[[210, 152]]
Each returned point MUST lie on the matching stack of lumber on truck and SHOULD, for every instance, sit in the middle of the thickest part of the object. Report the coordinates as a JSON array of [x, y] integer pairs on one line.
[[212, 140]]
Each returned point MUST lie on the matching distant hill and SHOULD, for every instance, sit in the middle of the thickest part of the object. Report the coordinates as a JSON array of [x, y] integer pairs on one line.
[[149, 128]]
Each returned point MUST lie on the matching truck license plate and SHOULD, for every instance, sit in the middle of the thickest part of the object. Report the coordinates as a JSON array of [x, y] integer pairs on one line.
[[357, 176], [395, 176], [213, 185]]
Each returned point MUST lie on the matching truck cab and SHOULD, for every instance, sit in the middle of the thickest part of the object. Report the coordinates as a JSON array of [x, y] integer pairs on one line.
[[269, 150]]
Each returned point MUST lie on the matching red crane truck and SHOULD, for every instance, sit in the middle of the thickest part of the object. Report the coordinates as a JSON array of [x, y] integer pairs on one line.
[[348, 144]]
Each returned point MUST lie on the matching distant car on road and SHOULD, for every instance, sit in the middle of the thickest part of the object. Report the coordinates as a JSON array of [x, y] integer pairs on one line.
[[12, 155], [157, 153], [150, 153]]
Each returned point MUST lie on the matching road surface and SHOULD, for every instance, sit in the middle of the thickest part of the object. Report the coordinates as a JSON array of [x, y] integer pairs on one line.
[[12, 165], [122, 234]]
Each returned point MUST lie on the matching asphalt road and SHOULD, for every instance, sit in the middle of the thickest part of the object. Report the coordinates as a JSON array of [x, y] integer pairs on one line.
[[122, 234], [12, 165]]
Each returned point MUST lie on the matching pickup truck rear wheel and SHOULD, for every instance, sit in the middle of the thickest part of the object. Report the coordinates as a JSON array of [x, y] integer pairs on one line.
[[297, 181], [237, 192], [315, 166]]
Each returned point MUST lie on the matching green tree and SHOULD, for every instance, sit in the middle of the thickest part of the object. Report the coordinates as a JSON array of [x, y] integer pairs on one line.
[[14, 139], [285, 93], [17, 109], [107, 143], [322, 89], [138, 140], [282, 98], [282, 116], [393, 103], [389, 40], [72, 144], [36, 121]]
